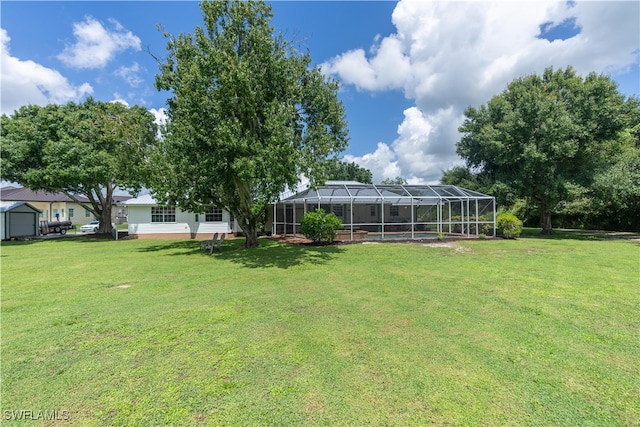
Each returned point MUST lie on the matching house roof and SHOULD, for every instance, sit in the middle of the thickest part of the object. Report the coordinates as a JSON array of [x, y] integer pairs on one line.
[[24, 194], [144, 200], [27, 195], [121, 198], [9, 188], [8, 206]]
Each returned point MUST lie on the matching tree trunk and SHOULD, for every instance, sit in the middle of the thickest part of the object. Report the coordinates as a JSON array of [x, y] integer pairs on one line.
[[547, 227], [247, 219], [105, 220], [251, 235], [106, 203]]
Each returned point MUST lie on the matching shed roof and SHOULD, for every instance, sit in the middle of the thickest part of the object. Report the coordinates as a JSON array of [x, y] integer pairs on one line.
[[8, 206]]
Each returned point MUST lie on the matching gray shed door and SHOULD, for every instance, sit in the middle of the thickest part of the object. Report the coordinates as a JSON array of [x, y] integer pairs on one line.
[[22, 224]]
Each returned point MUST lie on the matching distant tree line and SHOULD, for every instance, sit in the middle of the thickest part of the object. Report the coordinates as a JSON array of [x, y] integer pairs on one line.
[[558, 150]]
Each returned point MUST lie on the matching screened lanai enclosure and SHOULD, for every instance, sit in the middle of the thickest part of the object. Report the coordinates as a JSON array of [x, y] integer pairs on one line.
[[370, 211]]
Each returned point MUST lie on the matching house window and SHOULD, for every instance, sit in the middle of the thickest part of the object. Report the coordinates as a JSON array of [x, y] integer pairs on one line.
[[394, 211], [163, 214], [338, 210], [87, 214], [373, 210], [214, 215], [71, 213]]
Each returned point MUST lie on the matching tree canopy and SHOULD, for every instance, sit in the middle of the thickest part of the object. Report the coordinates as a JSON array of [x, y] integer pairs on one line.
[[544, 136], [345, 171], [247, 116], [398, 180], [462, 177], [85, 149]]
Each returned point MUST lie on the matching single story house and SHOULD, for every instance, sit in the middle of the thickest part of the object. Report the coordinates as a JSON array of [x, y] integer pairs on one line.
[[148, 220], [367, 211], [18, 219]]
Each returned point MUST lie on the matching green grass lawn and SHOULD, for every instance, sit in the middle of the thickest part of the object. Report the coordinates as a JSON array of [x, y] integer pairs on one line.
[[489, 332]]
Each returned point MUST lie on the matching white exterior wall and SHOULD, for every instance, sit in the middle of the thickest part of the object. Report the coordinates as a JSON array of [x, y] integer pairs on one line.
[[140, 223]]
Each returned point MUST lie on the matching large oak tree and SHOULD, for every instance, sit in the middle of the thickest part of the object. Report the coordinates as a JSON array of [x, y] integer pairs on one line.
[[545, 135], [81, 149], [247, 116]]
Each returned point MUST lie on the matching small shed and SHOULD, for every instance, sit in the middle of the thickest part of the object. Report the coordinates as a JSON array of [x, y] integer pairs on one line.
[[18, 219]]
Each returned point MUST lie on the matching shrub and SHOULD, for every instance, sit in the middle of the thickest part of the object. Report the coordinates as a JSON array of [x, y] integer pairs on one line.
[[485, 228], [319, 226], [510, 225]]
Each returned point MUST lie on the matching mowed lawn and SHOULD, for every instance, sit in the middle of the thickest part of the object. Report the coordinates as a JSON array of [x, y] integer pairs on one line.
[[487, 332]]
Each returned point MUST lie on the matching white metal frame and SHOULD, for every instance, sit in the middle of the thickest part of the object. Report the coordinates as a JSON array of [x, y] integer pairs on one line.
[[440, 196]]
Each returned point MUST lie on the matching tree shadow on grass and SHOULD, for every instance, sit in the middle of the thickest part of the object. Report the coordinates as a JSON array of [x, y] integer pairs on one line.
[[279, 255], [66, 238], [269, 254], [177, 248]]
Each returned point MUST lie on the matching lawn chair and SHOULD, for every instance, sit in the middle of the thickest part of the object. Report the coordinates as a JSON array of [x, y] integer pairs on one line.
[[209, 244], [218, 244]]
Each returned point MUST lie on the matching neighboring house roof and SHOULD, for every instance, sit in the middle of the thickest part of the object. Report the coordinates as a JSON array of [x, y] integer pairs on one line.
[[9, 188], [28, 195], [145, 200], [8, 206], [121, 198]]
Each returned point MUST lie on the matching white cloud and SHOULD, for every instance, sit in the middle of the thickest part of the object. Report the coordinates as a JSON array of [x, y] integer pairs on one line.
[[120, 101], [387, 69], [27, 82], [161, 115], [161, 119], [421, 147], [130, 74], [449, 55], [96, 45], [382, 163], [419, 153]]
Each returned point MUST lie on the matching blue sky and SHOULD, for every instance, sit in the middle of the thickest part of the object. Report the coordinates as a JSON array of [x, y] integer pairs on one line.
[[408, 69]]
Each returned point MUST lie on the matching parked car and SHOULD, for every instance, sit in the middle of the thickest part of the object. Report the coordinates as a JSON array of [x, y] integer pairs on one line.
[[91, 227]]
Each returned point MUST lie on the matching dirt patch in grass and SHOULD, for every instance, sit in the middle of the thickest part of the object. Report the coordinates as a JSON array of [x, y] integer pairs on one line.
[[298, 240], [294, 240], [452, 245]]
